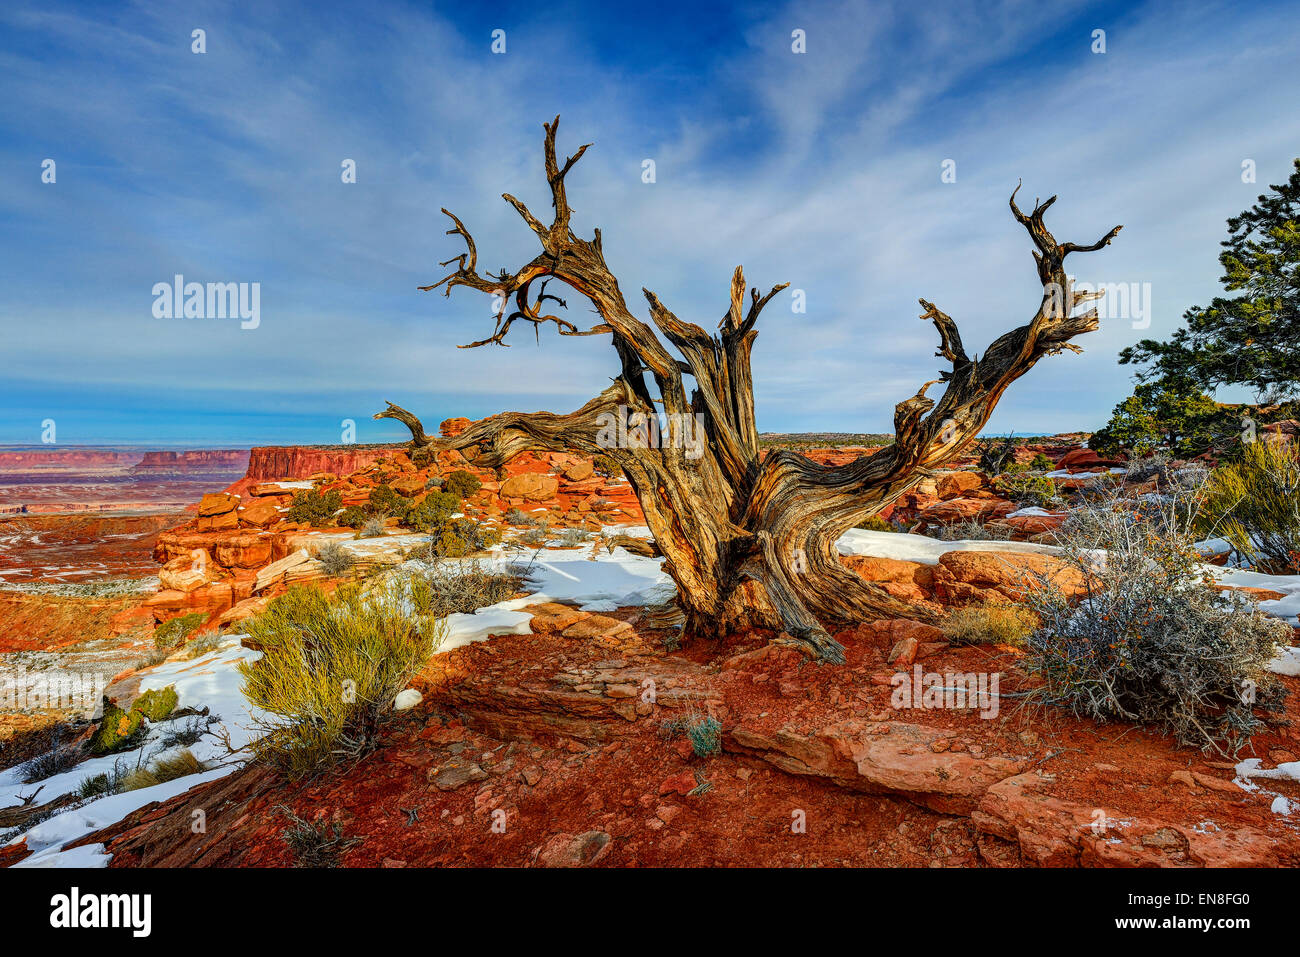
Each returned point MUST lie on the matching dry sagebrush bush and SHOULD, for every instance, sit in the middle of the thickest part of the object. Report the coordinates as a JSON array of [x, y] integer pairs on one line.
[[335, 560], [179, 765], [450, 587], [1152, 641]]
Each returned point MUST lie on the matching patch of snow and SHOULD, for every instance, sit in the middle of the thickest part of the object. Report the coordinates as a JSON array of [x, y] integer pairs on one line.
[[631, 531], [212, 681], [1250, 768], [1032, 510], [49, 837], [1087, 476], [87, 855], [1287, 662], [1213, 546], [209, 681], [1287, 607], [495, 619], [921, 548], [407, 699], [604, 582]]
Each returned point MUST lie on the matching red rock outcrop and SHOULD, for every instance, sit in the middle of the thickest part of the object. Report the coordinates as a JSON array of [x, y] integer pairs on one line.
[[450, 428], [1081, 460], [966, 577], [273, 462]]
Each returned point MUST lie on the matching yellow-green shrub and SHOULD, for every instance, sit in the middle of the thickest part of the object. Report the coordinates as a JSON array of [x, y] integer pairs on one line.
[[330, 668], [314, 507], [170, 634], [462, 483], [182, 764], [119, 729], [875, 523], [1255, 504], [157, 703], [993, 624]]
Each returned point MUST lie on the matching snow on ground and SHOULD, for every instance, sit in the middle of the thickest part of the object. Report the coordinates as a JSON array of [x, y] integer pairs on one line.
[[89, 855], [601, 583], [1250, 768], [210, 681], [1032, 510], [47, 838], [1287, 607], [1067, 474], [503, 618], [631, 531], [922, 548], [1210, 547], [1287, 661]]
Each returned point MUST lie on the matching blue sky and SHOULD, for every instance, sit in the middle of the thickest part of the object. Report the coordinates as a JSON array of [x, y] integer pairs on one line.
[[821, 169]]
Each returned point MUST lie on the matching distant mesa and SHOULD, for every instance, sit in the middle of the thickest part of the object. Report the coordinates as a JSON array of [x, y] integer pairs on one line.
[[72, 458], [22, 459], [206, 460]]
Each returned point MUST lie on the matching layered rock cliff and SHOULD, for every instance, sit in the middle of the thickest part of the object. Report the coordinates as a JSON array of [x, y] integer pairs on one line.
[[270, 463]]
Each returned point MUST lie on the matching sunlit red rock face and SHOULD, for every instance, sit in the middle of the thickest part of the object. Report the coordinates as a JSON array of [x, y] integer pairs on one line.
[[272, 462], [219, 558]]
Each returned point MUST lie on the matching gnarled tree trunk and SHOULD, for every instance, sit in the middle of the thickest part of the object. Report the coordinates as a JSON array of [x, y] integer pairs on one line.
[[748, 539]]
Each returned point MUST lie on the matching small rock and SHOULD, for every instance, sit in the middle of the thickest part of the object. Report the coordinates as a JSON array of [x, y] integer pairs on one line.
[[574, 850], [454, 773], [928, 648], [1182, 776], [904, 652], [597, 626], [1216, 784], [682, 783]]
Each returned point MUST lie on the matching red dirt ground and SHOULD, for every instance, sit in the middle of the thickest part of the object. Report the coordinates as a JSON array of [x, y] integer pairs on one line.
[[560, 764]]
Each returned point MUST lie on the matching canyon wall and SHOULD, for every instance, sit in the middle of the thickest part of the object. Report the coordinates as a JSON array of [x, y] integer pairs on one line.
[[17, 460], [213, 460], [270, 463]]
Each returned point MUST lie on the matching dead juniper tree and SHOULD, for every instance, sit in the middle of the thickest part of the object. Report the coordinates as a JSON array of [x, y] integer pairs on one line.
[[748, 538]]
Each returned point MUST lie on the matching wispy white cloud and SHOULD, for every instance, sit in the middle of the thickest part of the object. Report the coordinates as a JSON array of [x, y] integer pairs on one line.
[[821, 169]]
